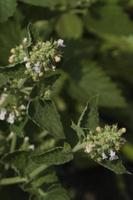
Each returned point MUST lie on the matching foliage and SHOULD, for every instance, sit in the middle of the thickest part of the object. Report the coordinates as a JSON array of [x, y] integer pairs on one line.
[[45, 84]]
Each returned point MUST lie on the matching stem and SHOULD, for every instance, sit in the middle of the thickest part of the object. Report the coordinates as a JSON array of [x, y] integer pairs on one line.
[[37, 171], [78, 147], [11, 181], [13, 143], [17, 179]]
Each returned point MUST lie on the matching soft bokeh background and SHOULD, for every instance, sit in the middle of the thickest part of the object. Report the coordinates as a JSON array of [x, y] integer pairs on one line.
[[97, 59]]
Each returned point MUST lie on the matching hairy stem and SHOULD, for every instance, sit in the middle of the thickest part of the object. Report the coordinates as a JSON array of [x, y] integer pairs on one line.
[[12, 180], [13, 143]]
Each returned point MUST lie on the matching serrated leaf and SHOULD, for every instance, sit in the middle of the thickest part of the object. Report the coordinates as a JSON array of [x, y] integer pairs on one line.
[[45, 115], [106, 15], [92, 80], [69, 26], [89, 117], [7, 9], [55, 156], [115, 166]]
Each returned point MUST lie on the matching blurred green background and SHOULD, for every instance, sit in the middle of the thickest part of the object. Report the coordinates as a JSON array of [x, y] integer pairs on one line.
[[97, 59]]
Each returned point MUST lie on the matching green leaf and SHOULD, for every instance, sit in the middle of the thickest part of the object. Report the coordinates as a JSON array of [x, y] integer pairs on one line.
[[69, 26], [55, 156], [89, 117], [116, 166], [7, 9], [18, 128], [106, 15], [3, 79], [79, 130], [45, 115], [44, 3], [56, 4], [12, 71], [19, 161], [91, 80], [57, 193], [48, 178], [8, 41]]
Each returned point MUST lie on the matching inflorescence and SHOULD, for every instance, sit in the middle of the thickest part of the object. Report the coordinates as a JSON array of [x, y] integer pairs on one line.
[[37, 60], [40, 59], [104, 144]]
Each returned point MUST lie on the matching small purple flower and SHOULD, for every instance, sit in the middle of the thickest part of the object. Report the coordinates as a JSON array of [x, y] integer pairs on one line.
[[113, 156], [60, 43], [104, 156], [11, 118], [37, 68], [2, 113]]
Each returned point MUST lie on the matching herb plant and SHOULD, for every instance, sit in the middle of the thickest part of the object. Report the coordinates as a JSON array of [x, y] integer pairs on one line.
[[36, 140]]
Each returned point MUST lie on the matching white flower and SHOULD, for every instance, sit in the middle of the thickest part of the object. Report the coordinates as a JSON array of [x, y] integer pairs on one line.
[[26, 139], [104, 156], [3, 98], [11, 118], [2, 113], [26, 59], [113, 156], [60, 43], [25, 40], [28, 66], [98, 129], [22, 107], [32, 147], [89, 147], [37, 69], [53, 68], [11, 59], [12, 50]]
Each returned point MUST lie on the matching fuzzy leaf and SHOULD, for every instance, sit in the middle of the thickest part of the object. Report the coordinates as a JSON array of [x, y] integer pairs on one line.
[[106, 15], [89, 117], [69, 26], [45, 115], [56, 156], [7, 9], [57, 193], [92, 80], [19, 161], [116, 166]]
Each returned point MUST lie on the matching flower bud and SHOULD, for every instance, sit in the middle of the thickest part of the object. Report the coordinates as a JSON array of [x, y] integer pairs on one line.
[[57, 59], [98, 129]]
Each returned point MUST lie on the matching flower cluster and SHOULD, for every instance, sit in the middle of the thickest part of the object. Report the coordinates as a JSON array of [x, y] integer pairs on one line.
[[12, 114], [12, 105], [40, 59], [19, 53], [105, 143]]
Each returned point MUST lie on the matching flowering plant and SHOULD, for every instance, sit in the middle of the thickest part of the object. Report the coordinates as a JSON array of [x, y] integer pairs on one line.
[[28, 97], [72, 52]]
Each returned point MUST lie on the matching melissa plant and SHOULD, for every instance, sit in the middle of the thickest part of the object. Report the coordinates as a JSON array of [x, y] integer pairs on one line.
[[26, 97]]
